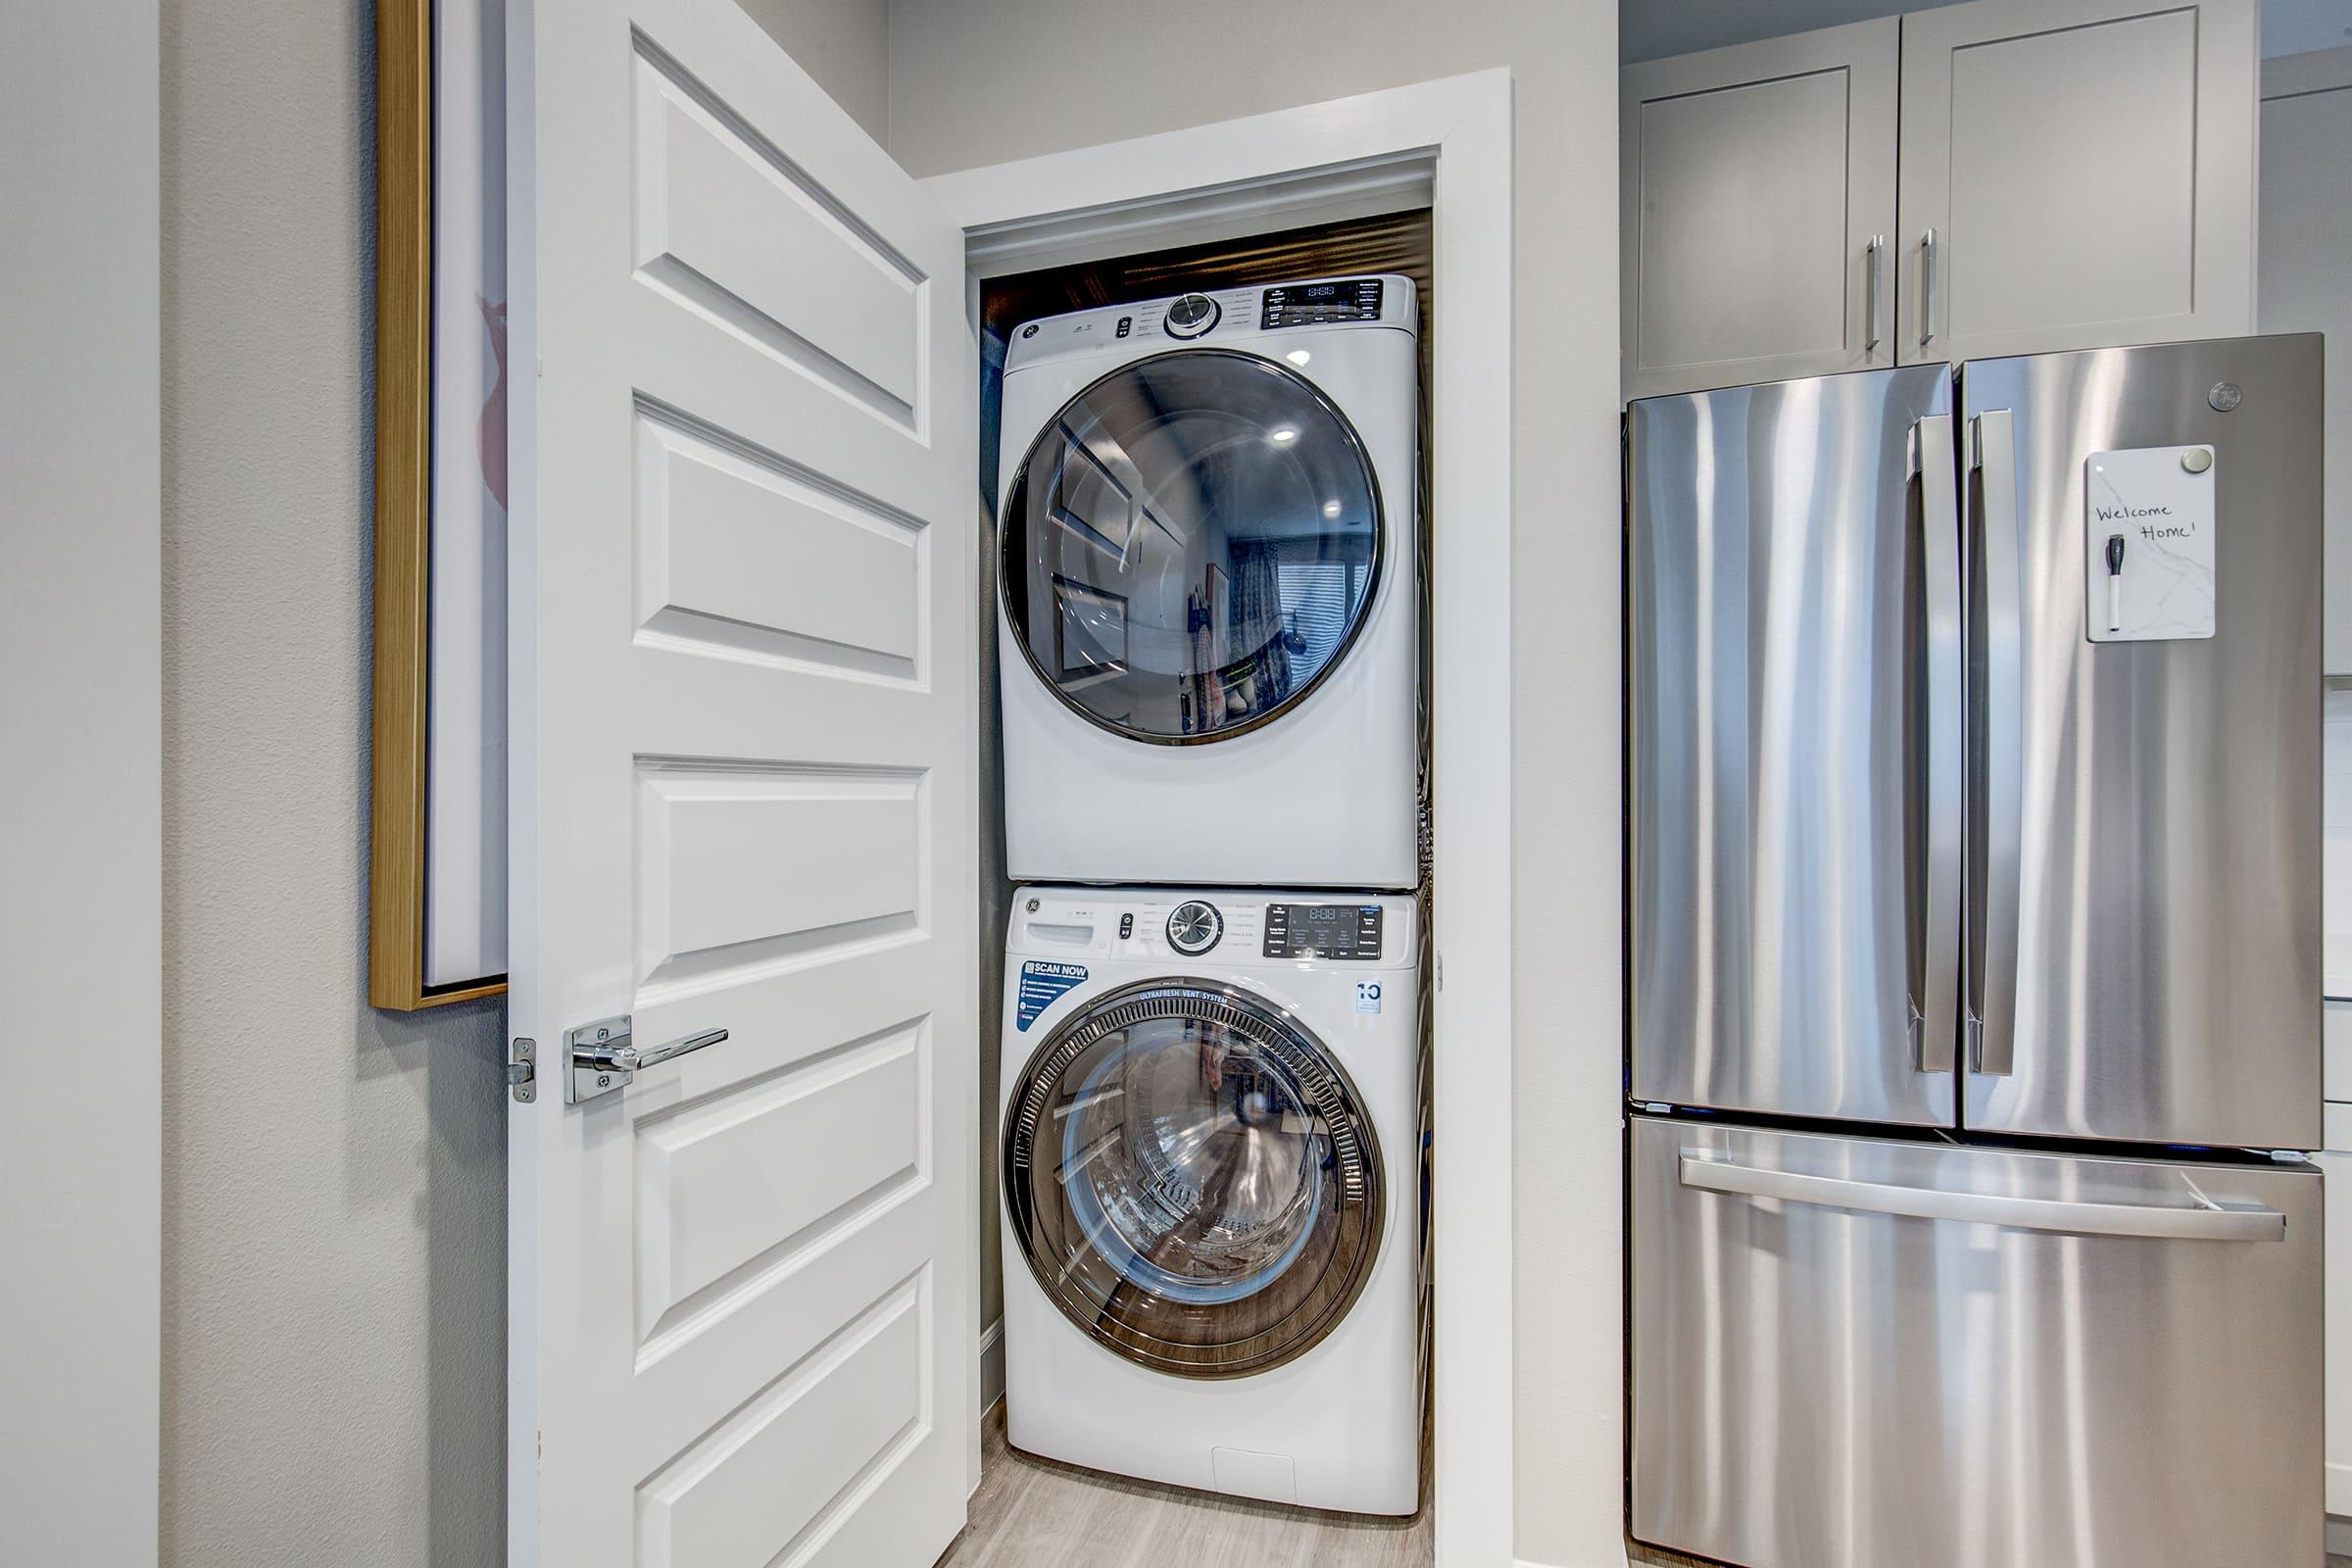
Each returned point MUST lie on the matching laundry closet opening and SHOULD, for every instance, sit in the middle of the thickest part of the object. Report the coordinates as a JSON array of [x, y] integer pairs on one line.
[[1215, 534]]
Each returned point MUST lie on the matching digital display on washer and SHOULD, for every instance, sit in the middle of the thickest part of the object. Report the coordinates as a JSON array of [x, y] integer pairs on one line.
[[1351, 299], [1323, 931]]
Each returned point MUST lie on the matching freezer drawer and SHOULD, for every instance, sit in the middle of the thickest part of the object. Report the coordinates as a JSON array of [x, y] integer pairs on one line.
[[1853, 1353]]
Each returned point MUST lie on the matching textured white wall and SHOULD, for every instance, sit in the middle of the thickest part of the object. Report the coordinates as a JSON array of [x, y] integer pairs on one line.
[[335, 1178], [977, 84]]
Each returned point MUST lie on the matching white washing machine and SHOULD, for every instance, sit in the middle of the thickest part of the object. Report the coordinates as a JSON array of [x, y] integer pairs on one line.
[[1210, 589], [1211, 1159]]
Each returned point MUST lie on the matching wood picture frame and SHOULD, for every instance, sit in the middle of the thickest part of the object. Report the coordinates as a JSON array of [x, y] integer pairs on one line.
[[399, 849]]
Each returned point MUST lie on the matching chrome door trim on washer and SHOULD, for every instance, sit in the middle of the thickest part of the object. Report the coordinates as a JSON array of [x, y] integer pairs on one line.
[[1213, 1330], [1009, 536]]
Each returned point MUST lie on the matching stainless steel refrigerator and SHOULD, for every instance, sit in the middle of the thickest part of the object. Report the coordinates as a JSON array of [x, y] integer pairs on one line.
[[1974, 912]]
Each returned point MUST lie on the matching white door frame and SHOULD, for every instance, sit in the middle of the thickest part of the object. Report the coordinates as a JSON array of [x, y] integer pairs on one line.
[[1450, 142], [81, 785]]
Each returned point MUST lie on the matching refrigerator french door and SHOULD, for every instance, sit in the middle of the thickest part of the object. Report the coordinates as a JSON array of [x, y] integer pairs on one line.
[[1973, 810]]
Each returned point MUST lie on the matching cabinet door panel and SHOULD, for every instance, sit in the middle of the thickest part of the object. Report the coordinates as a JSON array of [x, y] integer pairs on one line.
[[1754, 179], [2086, 169]]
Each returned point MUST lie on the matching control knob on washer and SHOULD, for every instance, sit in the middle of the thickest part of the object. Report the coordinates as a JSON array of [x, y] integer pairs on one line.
[[1195, 927]]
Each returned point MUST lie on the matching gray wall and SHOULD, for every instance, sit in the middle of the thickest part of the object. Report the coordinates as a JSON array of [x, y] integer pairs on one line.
[[949, 62], [845, 44], [334, 1236]]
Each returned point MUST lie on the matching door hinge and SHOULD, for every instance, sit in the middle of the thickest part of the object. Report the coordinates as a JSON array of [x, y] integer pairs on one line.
[[522, 1071]]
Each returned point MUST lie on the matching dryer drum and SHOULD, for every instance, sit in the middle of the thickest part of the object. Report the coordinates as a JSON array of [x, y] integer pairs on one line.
[[1193, 1179]]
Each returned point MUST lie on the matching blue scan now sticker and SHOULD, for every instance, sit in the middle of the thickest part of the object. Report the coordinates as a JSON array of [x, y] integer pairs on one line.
[[1041, 985]]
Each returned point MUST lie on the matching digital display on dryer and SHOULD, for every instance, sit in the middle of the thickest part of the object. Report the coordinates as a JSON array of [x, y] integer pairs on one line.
[[1323, 931], [1351, 298]]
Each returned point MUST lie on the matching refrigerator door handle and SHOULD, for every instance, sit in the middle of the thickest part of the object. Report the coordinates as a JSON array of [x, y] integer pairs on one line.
[[1936, 1020], [2207, 1222], [1996, 803]]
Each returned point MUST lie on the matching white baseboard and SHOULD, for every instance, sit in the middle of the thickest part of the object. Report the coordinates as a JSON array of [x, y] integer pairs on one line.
[[992, 1365]]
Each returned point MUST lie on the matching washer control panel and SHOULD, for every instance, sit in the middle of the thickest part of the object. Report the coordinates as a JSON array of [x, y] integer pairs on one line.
[[1323, 931]]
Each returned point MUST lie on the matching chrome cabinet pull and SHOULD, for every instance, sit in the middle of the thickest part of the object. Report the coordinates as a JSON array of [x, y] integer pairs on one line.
[[1875, 264], [2207, 1222], [605, 1058], [1927, 292]]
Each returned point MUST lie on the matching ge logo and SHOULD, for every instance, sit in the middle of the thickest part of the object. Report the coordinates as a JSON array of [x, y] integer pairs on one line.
[[1367, 995]]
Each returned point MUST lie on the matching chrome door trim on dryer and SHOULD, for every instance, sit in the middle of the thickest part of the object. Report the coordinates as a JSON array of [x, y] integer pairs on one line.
[[1014, 550], [1207, 1320]]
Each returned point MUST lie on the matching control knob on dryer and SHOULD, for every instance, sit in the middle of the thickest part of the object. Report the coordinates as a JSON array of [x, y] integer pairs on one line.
[[1191, 316]]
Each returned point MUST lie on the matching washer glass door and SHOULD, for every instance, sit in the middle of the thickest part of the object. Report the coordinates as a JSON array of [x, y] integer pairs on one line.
[[1192, 1180], [1190, 545]]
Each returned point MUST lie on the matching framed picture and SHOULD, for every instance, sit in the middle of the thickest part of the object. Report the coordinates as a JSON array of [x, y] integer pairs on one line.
[[437, 900]]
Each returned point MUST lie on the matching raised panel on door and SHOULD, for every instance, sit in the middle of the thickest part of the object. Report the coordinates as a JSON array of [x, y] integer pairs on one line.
[[746, 738], [1755, 179], [2075, 173], [2306, 272]]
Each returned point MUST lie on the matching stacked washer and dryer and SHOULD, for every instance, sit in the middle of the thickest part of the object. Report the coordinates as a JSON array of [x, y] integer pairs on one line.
[[1209, 615]]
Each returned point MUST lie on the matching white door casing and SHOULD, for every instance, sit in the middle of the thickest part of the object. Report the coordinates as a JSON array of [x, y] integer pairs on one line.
[[744, 738]]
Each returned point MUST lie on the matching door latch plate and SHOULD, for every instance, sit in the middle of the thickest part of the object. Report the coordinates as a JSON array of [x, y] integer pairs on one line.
[[523, 1070]]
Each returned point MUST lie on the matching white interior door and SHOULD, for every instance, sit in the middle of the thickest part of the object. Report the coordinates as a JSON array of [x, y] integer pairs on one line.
[[744, 744]]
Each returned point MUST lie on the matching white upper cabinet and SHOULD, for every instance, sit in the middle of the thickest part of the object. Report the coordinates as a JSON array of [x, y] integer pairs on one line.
[[2075, 173], [1759, 201], [2307, 283], [2061, 175]]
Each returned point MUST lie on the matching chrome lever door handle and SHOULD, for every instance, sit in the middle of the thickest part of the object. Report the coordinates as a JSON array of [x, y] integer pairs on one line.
[[604, 1058]]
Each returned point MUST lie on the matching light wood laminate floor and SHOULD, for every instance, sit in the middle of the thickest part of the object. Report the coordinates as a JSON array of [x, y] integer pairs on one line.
[[1034, 1513]]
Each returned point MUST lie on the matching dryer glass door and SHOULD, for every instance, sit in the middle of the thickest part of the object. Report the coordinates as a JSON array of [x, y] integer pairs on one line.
[[1190, 545], [1193, 1179]]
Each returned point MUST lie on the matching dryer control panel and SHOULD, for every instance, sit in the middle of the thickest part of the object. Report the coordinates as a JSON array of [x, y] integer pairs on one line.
[[1339, 299], [1323, 930]]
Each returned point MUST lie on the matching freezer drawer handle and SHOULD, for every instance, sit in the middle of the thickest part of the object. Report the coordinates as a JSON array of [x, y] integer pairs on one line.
[[2214, 1222]]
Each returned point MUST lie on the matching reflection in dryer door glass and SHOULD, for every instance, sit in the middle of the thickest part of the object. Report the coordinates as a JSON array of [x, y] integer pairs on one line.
[[1189, 546]]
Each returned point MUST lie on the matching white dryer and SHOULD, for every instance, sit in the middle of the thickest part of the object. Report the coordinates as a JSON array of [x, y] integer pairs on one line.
[[1210, 589], [1212, 1160]]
